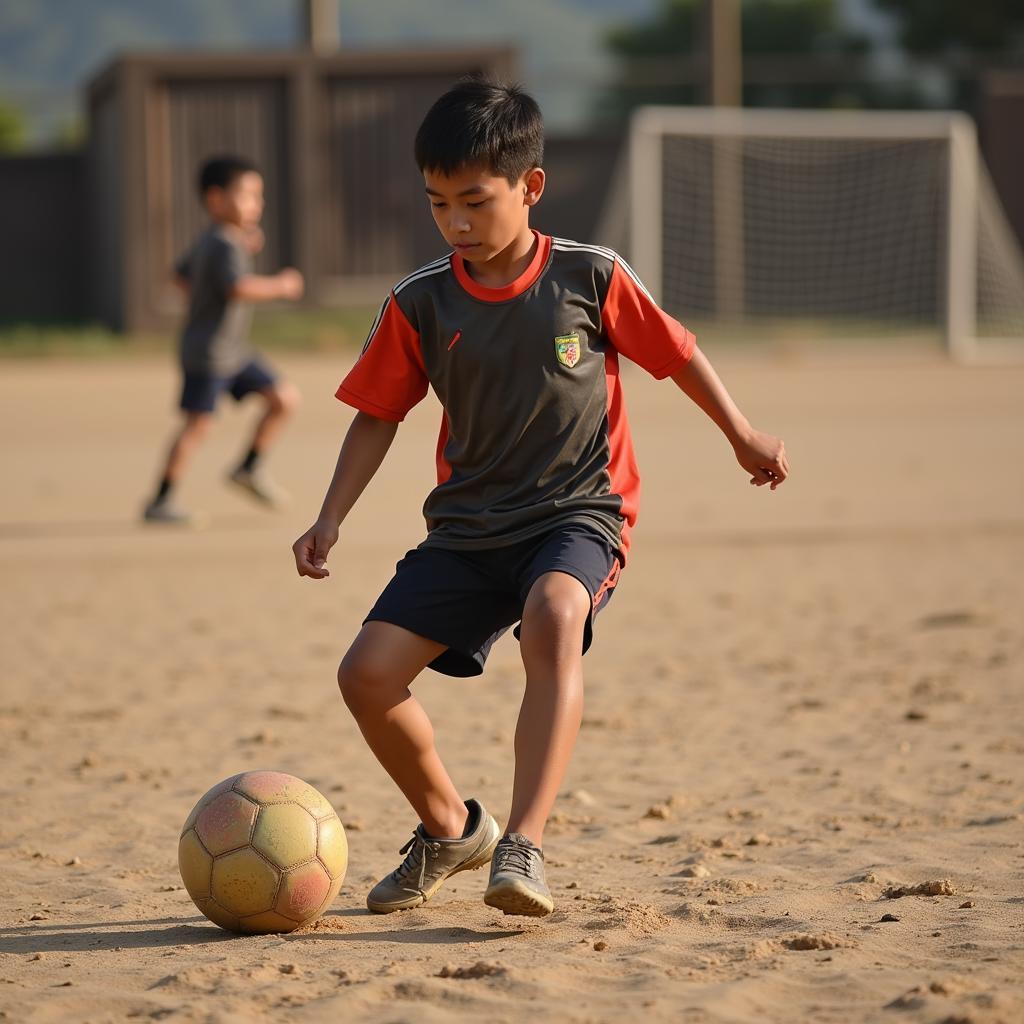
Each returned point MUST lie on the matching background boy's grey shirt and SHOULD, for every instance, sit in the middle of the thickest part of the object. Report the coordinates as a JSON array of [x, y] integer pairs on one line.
[[215, 338]]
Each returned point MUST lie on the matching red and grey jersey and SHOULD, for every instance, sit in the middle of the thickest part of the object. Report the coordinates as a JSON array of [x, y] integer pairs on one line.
[[534, 431]]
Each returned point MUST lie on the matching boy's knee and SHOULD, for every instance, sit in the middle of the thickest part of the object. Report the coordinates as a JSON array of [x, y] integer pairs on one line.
[[558, 606], [284, 398], [197, 424], [363, 681]]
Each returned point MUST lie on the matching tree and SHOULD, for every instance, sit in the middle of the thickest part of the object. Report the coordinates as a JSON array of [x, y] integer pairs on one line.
[[958, 38], [929, 25], [659, 60], [12, 129]]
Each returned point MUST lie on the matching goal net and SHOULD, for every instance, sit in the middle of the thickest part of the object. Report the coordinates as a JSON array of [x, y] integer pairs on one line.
[[809, 225]]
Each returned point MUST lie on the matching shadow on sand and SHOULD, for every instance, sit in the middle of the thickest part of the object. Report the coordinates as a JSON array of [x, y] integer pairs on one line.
[[57, 937]]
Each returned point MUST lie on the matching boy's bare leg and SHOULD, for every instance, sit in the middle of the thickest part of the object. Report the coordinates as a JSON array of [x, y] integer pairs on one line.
[[374, 678], [282, 399], [189, 437], [551, 644]]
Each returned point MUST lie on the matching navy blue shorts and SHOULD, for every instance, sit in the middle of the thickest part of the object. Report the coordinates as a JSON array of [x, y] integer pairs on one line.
[[467, 599], [200, 391]]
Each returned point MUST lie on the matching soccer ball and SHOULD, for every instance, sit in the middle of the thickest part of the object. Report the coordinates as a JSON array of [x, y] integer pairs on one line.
[[262, 852]]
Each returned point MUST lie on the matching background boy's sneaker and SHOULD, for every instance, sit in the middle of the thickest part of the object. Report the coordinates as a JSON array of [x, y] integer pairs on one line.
[[260, 486], [167, 513], [517, 883], [428, 862]]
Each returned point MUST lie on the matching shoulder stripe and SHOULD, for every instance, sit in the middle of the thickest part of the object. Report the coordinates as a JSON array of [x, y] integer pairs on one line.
[[426, 266], [565, 243], [420, 274], [636, 279], [434, 267], [561, 243], [438, 266], [376, 324]]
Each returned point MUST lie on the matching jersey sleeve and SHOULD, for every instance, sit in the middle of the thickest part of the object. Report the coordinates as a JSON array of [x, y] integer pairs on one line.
[[228, 263], [222, 264], [639, 329], [389, 377]]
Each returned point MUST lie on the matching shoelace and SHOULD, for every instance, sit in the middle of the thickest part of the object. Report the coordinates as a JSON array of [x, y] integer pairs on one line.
[[515, 857], [416, 851]]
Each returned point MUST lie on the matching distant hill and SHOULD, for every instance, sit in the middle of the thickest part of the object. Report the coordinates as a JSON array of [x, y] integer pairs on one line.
[[48, 48]]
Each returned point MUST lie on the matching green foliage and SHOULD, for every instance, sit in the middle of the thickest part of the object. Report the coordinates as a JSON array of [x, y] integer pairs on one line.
[[70, 133], [928, 25], [769, 26], [274, 330], [12, 129], [645, 52], [312, 330]]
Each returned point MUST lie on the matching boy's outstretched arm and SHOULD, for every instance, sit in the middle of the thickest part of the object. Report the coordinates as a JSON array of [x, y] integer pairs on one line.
[[761, 455], [363, 450], [285, 284]]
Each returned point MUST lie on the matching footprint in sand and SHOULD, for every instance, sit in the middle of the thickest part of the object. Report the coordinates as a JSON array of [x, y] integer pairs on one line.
[[481, 969], [805, 940], [949, 619], [938, 887], [641, 919]]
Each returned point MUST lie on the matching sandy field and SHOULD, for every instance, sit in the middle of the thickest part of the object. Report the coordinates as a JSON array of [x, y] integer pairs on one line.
[[799, 705]]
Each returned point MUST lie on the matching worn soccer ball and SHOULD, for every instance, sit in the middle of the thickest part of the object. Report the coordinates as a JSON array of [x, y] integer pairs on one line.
[[262, 852]]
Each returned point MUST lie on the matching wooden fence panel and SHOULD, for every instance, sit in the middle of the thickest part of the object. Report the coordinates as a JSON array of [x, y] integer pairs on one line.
[[211, 118]]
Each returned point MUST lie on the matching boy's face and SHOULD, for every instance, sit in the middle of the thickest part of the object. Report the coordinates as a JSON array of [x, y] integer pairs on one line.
[[241, 203], [479, 213]]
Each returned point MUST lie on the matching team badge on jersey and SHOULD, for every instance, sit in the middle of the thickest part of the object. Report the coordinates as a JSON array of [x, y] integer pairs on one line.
[[567, 349]]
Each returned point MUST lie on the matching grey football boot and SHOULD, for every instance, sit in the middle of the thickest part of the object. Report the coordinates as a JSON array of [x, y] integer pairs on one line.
[[259, 485], [517, 883], [429, 862], [165, 512]]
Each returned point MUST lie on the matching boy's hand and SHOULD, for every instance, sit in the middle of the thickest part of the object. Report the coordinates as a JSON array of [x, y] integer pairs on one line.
[[311, 550], [764, 457], [291, 283]]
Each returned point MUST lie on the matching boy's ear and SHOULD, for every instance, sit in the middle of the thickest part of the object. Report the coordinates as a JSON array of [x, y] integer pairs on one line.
[[533, 182]]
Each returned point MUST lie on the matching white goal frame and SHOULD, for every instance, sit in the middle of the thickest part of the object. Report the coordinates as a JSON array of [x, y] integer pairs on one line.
[[650, 125]]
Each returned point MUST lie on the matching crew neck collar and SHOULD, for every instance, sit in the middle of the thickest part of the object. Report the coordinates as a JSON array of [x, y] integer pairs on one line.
[[513, 288]]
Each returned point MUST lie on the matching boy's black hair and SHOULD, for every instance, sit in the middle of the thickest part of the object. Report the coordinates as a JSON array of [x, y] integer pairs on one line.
[[221, 171], [481, 121]]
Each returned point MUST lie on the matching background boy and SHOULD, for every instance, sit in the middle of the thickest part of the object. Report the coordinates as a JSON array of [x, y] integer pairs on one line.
[[519, 335], [215, 353]]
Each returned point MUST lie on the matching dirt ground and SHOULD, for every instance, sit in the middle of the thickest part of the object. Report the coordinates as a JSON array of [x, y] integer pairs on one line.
[[796, 701]]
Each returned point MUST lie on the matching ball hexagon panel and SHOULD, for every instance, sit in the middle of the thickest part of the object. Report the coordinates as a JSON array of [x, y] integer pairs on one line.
[[221, 787], [267, 922], [278, 787], [243, 883], [225, 823], [332, 846], [218, 915], [195, 865], [285, 834], [303, 891]]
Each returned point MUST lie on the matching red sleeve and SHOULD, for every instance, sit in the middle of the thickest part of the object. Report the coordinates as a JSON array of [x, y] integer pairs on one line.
[[389, 377], [640, 330]]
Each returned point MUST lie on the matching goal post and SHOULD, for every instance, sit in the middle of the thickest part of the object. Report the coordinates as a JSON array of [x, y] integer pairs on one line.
[[961, 328], [821, 223]]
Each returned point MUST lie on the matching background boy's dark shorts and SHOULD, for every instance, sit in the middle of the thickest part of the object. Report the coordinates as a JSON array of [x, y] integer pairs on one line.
[[200, 391], [467, 599]]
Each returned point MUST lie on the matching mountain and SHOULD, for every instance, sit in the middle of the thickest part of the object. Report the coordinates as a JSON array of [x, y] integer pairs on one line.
[[49, 48]]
